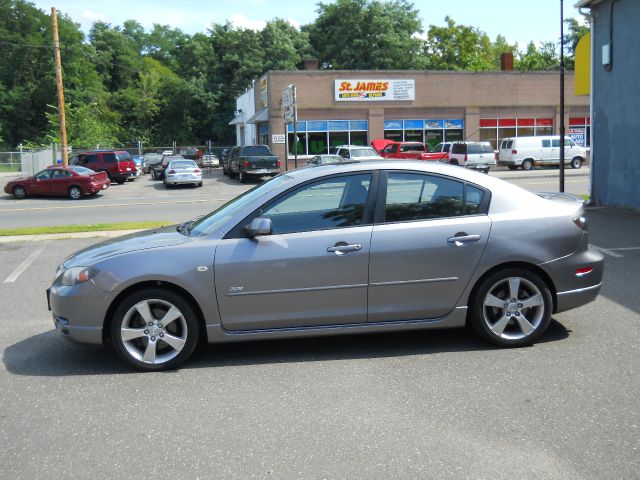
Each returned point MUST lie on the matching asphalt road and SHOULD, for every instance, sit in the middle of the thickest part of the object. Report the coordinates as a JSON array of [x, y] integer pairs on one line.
[[441, 405], [145, 199]]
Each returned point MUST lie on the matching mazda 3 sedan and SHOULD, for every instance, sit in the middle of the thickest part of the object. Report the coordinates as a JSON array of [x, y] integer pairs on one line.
[[340, 249]]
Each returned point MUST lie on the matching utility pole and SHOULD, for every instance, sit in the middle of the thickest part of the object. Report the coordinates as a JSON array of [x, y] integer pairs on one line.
[[63, 123], [561, 166]]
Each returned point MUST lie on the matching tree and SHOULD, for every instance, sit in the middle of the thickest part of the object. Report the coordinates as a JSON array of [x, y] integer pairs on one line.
[[537, 59], [462, 47], [362, 34], [577, 30]]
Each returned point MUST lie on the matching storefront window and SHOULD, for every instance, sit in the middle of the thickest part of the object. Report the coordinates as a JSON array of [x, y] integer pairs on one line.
[[493, 130], [315, 137], [453, 135], [580, 130], [433, 138], [395, 135], [263, 133], [358, 138], [413, 136], [317, 143], [302, 143]]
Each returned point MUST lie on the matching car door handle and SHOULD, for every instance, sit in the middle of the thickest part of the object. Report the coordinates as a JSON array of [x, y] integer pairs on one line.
[[461, 240], [341, 248]]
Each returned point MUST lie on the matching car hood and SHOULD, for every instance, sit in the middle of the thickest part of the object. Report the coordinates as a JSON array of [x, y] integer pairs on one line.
[[20, 179], [156, 238]]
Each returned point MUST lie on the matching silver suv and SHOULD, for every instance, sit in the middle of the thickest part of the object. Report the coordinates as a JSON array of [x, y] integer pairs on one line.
[[476, 155]]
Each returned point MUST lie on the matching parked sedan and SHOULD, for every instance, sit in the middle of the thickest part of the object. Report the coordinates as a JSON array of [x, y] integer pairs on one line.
[[338, 249], [182, 172], [73, 181], [326, 160]]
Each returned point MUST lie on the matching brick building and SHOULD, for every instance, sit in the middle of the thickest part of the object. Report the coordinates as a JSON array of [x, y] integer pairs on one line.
[[355, 107]]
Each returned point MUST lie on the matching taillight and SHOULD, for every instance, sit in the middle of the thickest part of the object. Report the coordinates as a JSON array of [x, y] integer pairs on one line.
[[171, 171], [278, 163], [581, 222], [514, 152], [246, 164], [495, 156], [465, 158], [197, 170]]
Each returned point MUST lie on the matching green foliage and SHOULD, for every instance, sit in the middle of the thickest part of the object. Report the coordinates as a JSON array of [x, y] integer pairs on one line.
[[461, 47], [540, 58], [124, 84], [361, 34], [577, 30]]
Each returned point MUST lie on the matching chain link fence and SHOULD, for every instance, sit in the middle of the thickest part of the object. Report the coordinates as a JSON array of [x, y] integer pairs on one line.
[[10, 162]]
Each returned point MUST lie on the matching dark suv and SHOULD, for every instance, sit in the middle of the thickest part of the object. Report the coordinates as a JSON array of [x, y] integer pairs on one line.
[[118, 164]]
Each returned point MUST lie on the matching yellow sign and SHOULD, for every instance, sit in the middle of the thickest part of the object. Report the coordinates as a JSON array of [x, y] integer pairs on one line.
[[582, 78]]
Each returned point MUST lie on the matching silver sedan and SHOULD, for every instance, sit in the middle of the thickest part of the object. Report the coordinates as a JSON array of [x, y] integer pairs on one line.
[[182, 172], [339, 249]]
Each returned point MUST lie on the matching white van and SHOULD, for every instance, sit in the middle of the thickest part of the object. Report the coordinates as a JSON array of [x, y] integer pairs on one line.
[[526, 152]]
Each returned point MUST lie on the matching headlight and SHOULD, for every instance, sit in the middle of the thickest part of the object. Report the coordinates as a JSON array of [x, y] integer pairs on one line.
[[77, 275]]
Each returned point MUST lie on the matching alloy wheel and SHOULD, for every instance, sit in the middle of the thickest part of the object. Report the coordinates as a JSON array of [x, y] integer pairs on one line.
[[513, 308], [19, 192], [75, 193], [154, 331]]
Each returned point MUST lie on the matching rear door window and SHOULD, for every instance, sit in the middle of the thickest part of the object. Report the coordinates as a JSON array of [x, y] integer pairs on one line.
[[555, 143], [414, 196], [546, 143], [109, 158], [90, 160]]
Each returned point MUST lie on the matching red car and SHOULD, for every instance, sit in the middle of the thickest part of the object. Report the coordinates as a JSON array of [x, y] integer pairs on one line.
[[73, 181], [406, 150], [117, 164]]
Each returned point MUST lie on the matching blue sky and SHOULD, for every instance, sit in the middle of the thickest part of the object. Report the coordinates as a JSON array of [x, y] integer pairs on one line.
[[519, 20]]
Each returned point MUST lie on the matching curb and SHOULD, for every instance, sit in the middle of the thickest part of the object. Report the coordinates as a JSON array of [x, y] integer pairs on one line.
[[506, 176], [67, 236]]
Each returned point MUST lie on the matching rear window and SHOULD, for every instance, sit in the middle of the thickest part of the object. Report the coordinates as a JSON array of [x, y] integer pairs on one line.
[[363, 152], [486, 148], [255, 150], [183, 164], [459, 148], [123, 156], [81, 170], [474, 148]]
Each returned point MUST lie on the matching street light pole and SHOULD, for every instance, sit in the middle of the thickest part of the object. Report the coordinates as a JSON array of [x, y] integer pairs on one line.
[[561, 166]]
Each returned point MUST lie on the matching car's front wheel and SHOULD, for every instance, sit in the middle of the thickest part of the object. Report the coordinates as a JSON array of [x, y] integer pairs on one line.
[[576, 162], [19, 192], [511, 308], [154, 329]]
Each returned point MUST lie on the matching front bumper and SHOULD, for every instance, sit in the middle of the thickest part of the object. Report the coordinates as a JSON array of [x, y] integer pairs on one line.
[[79, 311]]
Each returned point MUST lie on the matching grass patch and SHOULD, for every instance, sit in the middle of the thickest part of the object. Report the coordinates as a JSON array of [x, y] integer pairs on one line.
[[10, 167], [95, 227]]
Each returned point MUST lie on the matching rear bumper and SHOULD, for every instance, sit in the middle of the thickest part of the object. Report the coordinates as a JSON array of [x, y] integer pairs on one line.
[[262, 171], [577, 298], [182, 181]]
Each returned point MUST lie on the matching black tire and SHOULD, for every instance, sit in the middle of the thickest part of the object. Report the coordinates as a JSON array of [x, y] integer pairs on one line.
[[199, 185], [527, 164], [153, 175], [19, 192], [185, 328], [512, 167], [224, 170], [512, 323], [120, 181], [74, 192], [576, 162], [243, 177]]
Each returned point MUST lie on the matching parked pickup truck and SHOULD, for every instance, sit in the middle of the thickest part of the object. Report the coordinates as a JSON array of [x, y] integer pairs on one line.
[[407, 150], [253, 161]]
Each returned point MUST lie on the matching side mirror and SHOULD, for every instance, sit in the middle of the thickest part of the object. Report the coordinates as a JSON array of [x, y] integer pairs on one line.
[[259, 226]]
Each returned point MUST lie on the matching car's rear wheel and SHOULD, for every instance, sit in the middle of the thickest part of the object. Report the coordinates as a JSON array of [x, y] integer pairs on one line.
[[527, 164], [75, 193], [154, 329], [511, 308], [19, 192], [243, 177], [576, 162]]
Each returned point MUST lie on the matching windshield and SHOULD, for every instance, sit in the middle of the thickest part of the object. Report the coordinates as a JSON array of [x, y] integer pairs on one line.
[[152, 158], [81, 170], [216, 219], [123, 156], [363, 152]]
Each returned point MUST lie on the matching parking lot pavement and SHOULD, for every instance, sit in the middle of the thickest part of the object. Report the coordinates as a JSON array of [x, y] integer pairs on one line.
[[142, 199], [439, 404]]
